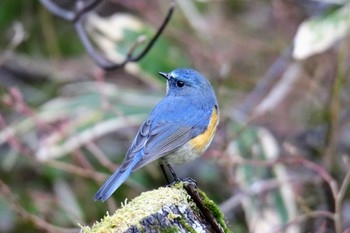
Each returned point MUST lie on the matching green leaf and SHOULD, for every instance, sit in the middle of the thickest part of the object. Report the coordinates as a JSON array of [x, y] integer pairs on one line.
[[318, 34]]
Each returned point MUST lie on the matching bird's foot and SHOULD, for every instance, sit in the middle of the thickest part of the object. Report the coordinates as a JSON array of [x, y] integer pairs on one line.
[[186, 181]]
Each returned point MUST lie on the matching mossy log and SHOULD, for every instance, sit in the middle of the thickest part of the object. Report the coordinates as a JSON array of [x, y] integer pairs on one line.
[[179, 208]]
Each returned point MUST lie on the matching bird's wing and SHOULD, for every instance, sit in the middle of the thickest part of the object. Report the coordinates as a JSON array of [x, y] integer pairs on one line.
[[161, 138], [164, 139], [151, 143], [154, 140]]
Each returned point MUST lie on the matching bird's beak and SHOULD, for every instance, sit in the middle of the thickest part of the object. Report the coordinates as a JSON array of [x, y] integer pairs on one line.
[[165, 75]]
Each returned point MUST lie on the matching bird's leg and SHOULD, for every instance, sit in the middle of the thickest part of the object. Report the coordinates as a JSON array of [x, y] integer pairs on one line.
[[161, 164], [172, 172], [187, 180]]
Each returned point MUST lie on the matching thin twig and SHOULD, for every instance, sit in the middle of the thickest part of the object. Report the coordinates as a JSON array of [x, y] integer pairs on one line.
[[156, 36], [82, 159], [324, 174], [344, 186], [99, 60], [298, 161], [140, 40], [78, 16], [83, 172], [260, 187], [338, 202], [338, 194], [100, 156], [313, 214], [22, 107], [82, 9], [55, 9], [12, 140], [106, 65]]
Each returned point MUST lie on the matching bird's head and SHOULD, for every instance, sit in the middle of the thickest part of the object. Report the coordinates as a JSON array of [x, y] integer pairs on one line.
[[187, 82]]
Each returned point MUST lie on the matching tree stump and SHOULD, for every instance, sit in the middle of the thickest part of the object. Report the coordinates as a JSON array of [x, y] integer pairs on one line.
[[181, 207]]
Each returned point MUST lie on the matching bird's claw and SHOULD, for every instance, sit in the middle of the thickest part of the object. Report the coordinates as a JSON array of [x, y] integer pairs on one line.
[[186, 181]]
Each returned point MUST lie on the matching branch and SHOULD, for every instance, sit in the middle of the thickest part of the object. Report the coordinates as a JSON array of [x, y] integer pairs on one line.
[[54, 9], [302, 218], [167, 209], [107, 65], [338, 202], [78, 16], [81, 10]]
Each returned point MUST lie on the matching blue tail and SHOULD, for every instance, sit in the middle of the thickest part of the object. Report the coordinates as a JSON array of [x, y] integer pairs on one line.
[[117, 179]]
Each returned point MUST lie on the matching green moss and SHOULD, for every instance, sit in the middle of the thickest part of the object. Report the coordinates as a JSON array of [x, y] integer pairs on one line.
[[178, 185], [142, 206], [214, 209], [140, 229], [171, 230], [173, 216], [149, 203], [186, 226]]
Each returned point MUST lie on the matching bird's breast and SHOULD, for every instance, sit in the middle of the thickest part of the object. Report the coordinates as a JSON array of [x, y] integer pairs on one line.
[[203, 140], [197, 145]]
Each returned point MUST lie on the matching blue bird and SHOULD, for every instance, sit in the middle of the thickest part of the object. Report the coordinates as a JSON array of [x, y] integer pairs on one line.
[[179, 129]]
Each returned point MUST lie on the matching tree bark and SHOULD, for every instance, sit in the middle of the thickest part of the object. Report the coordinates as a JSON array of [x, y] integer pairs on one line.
[[179, 208]]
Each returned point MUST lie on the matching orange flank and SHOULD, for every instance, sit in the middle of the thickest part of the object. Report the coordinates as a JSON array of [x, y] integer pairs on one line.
[[201, 142]]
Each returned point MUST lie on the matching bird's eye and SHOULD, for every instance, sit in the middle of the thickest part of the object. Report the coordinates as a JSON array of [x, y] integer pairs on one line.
[[180, 83]]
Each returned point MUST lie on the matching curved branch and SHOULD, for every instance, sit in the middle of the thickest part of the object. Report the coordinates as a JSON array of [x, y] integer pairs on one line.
[[156, 36], [99, 60], [77, 17], [59, 11], [82, 9], [130, 58]]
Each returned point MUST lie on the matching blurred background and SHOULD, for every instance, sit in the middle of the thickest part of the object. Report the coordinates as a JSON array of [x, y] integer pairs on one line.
[[280, 69]]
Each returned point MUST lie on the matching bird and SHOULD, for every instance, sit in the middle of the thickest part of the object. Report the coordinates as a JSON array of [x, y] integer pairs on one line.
[[179, 128]]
